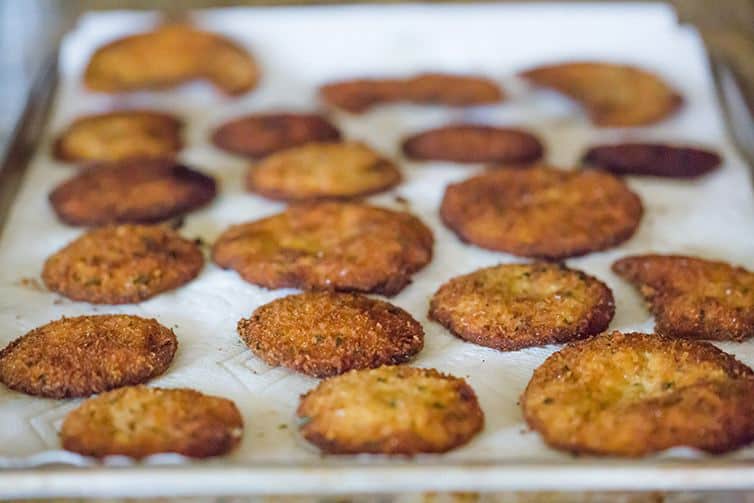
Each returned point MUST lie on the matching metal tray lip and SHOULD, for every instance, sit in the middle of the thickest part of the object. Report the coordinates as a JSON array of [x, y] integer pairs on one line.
[[303, 479], [28, 134], [343, 476]]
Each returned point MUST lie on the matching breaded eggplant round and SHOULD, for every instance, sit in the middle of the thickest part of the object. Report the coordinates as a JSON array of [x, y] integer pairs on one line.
[[322, 171], [122, 264], [169, 56], [390, 410], [359, 95], [115, 136], [328, 246], [693, 298], [452, 90], [134, 191], [81, 356], [542, 212], [509, 307], [139, 421], [636, 394], [613, 95], [259, 135], [470, 143], [653, 159], [323, 334]]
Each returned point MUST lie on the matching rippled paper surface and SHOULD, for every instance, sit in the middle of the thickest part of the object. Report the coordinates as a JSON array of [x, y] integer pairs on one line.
[[301, 48]]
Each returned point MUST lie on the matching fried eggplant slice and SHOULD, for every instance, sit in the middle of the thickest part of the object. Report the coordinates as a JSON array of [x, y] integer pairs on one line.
[[119, 135], [693, 298], [139, 421], [122, 264], [469, 143], [542, 212], [653, 159], [390, 410], [259, 135], [318, 171], [635, 394], [328, 246], [134, 191], [84, 355], [323, 334], [513, 306], [169, 56], [613, 95], [359, 95]]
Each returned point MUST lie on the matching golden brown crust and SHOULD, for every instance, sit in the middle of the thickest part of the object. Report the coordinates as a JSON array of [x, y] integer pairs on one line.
[[693, 298], [613, 95], [135, 191], [323, 334], [317, 171], [168, 56], [635, 394], [542, 212], [474, 143], [390, 410], [122, 264], [653, 159], [452, 90], [328, 246], [508, 307], [81, 356], [357, 96], [139, 421], [259, 135], [119, 135]]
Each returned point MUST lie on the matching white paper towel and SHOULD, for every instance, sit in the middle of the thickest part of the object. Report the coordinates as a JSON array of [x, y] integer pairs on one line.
[[301, 48]]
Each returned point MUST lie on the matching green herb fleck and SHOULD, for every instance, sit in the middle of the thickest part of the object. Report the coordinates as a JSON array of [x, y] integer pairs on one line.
[[141, 279]]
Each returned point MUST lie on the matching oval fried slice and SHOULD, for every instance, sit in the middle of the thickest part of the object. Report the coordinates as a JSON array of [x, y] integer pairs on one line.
[[390, 410], [692, 297], [508, 307], [84, 355], [139, 421], [358, 95], [322, 171], [260, 135], [136, 191], [169, 56], [452, 90], [635, 394], [613, 95], [322, 334], [328, 246], [122, 264], [653, 159], [474, 143], [115, 136], [542, 212]]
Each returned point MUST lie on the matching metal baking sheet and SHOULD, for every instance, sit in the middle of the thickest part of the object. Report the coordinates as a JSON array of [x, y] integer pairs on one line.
[[300, 48]]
